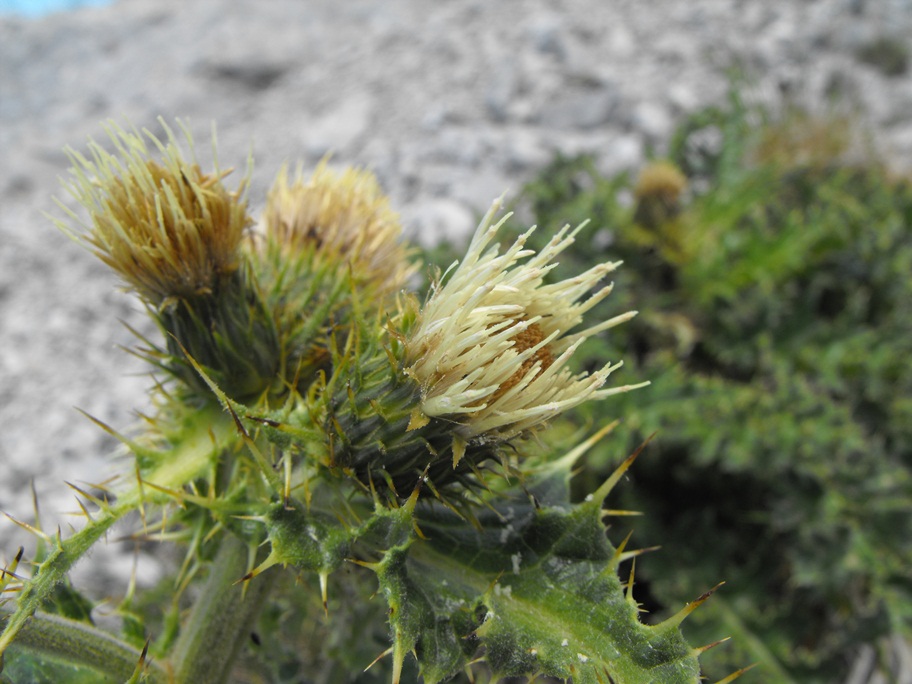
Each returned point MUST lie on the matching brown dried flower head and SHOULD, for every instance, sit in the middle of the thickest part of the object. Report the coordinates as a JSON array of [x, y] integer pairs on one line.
[[168, 229]]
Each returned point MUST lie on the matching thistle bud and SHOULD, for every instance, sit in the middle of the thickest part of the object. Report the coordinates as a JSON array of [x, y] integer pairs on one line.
[[342, 218], [174, 234], [327, 241], [658, 194]]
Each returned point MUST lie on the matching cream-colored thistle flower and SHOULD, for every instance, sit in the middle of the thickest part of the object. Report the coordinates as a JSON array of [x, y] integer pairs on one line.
[[491, 348], [342, 215], [166, 227]]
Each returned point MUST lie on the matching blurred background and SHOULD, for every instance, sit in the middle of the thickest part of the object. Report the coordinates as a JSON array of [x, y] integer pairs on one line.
[[767, 110]]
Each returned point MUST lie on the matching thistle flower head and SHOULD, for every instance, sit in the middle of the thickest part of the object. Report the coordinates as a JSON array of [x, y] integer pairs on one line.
[[492, 347], [168, 229], [662, 180], [658, 193], [342, 216]]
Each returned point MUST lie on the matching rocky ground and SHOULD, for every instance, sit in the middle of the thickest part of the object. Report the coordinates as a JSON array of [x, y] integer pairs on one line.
[[451, 103]]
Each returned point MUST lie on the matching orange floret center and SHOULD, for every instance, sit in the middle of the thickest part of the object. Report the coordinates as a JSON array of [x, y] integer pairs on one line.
[[523, 340]]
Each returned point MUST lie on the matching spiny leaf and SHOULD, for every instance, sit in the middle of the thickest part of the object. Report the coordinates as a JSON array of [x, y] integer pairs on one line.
[[533, 589]]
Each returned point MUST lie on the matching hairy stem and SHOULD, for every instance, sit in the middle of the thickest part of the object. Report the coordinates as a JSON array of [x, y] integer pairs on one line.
[[54, 569], [207, 436], [221, 619], [80, 644]]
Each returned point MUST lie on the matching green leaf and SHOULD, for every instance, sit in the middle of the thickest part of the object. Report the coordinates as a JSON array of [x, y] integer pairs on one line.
[[533, 587]]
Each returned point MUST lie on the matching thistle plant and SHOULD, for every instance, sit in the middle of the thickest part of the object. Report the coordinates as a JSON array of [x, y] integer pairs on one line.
[[320, 431]]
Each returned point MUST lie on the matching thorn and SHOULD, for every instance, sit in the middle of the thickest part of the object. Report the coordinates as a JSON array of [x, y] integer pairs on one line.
[[94, 499], [375, 567], [379, 658], [221, 396], [637, 552], [443, 500], [536, 504], [473, 519], [85, 511], [703, 649], [373, 489], [35, 504], [262, 567], [133, 446], [255, 518], [630, 583], [574, 454], [10, 570], [615, 512], [105, 485], [389, 482], [12, 590], [140, 665], [619, 553], [682, 614], [164, 522], [265, 421], [602, 492], [494, 582], [505, 465], [286, 490], [142, 495], [131, 585], [734, 675], [34, 530], [323, 592], [180, 497], [398, 660], [238, 424], [478, 474], [413, 497], [418, 530]]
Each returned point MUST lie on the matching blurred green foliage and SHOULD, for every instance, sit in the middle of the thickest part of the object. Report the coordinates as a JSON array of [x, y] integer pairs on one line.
[[774, 280], [888, 54]]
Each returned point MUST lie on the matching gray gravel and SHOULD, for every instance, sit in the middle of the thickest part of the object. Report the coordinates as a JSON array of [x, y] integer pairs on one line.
[[451, 103]]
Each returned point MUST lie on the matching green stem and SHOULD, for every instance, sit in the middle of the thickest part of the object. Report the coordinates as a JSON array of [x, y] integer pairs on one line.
[[54, 569], [80, 644], [208, 436], [221, 619]]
